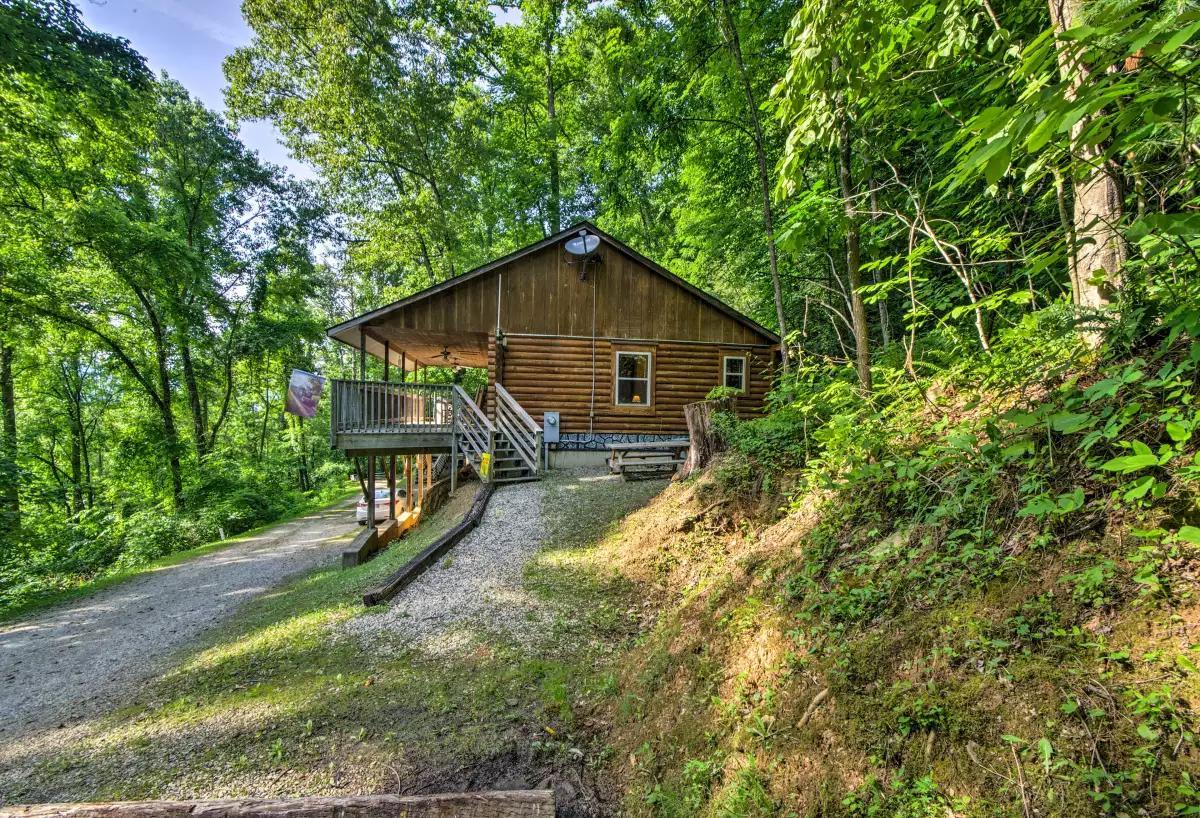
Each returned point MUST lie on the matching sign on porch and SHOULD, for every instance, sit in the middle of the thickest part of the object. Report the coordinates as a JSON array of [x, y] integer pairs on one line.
[[304, 393]]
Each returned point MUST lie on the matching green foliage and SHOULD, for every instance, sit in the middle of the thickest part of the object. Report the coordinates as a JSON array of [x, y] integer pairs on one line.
[[902, 797]]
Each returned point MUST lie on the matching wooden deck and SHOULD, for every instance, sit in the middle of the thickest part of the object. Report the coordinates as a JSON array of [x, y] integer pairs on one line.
[[382, 418]]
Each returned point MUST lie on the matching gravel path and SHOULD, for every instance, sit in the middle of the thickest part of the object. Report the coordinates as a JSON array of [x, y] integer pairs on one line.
[[479, 583], [68, 662]]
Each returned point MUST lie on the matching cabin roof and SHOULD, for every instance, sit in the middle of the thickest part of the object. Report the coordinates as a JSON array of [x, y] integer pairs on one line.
[[340, 331]]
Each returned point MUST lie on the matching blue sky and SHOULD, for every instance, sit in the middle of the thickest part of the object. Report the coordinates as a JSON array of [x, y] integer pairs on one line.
[[189, 39]]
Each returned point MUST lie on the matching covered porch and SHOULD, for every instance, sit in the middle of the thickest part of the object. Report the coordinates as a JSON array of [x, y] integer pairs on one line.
[[404, 413]]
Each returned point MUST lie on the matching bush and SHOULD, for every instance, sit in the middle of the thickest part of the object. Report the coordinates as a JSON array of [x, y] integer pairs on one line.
[[152, 534]]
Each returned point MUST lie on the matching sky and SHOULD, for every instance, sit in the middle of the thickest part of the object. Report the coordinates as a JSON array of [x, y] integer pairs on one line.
[[189, 39]]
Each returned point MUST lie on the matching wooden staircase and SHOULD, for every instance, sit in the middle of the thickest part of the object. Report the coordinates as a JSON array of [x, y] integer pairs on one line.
[[517, 448], [512, 444], [507, 465]]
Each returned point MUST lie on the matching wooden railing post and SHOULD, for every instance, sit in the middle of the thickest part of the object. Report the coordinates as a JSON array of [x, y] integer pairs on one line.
[[455, 410]]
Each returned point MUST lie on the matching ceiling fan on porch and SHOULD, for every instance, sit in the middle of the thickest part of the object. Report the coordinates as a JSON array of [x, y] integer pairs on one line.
[[582, 246], [446, 353]]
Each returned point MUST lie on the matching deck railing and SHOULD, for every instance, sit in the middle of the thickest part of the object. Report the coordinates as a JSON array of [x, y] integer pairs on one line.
[[520, 429], [382, 406]]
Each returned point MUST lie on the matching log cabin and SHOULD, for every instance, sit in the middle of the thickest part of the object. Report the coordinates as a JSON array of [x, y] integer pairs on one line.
[[586, 342]]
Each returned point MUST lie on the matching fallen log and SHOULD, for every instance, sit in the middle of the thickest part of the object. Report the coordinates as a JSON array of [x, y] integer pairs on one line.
[[497, 804], [432, 553]]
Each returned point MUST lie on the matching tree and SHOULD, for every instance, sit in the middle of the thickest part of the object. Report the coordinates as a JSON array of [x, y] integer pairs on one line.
[[1097, 249]]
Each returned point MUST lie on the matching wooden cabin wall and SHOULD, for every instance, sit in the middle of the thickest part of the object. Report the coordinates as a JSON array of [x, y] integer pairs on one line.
[[555, 374], [543, 294]]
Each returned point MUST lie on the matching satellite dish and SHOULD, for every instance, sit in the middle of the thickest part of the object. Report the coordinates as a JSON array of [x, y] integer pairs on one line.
[[583, 245]]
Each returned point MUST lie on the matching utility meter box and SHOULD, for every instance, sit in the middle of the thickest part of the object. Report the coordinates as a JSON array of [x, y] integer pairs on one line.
[[550, 427]]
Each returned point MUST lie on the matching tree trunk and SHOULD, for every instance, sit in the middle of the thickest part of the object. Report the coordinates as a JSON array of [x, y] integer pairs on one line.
[[705, 441], [858, 310], [10, 502], [170, 431], [764, 175], [555, 204], [199, 420], [1096, 249], [76, 472]]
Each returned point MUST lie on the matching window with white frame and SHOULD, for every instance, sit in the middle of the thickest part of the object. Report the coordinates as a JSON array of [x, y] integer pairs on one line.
[[633, 379], [733, 370]]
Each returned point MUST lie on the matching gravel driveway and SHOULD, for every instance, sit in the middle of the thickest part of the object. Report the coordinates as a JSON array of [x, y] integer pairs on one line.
[[68, 662], [479, 581]]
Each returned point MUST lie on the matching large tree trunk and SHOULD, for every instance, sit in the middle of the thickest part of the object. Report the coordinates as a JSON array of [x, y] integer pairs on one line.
[[858, 310], [704, 439], [167, 415], [764, 175], [199, 416], [10, 502], [76, 473], [1096, 249]]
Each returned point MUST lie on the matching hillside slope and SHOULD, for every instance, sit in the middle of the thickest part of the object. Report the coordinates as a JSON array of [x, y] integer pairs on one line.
[[967, 601]]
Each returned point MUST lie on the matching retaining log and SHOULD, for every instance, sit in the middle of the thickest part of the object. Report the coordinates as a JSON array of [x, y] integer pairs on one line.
[[421, 562], [495, 804]]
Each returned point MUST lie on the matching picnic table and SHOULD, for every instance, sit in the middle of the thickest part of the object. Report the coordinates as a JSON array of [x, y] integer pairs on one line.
[[647, 459]]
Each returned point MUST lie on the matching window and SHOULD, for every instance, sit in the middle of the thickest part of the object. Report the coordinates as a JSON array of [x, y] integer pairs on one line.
[[633, 379], [733, 372]]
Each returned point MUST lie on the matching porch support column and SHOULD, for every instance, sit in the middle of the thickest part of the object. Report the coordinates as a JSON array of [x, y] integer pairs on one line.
[[362, 355], [408, 483], [371, 491], [392, 487], [456, 409], [387, 360], [403, 379]]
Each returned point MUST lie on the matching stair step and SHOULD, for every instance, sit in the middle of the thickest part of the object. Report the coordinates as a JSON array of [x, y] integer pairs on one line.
[[530, 479]]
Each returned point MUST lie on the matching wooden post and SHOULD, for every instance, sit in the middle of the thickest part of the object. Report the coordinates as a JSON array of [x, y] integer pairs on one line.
[[362, 355], [370, 491], [361, 420], [408, 483], [387, 360], [403, 379], [392, 487], [456, 409]]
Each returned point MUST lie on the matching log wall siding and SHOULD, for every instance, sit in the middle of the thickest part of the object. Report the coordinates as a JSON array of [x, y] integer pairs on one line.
[[542, 294], [555, 374]]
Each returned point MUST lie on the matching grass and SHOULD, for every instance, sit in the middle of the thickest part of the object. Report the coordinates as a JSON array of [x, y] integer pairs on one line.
[[107, 580], [282, 701]]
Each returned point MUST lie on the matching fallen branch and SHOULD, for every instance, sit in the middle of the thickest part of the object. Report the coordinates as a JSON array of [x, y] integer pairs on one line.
[[813, 705]]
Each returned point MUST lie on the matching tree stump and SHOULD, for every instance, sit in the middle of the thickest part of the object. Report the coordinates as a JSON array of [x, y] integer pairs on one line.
[[705, 442]]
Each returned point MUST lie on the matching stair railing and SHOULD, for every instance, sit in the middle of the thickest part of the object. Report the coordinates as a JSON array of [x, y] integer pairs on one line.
[[475, 434], [522, 432]]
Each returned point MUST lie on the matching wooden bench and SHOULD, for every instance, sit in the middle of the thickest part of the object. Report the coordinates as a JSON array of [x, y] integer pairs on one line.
[[634, 461]]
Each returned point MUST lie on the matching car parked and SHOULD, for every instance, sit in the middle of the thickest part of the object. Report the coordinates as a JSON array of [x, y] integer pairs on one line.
[[381, 505]]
